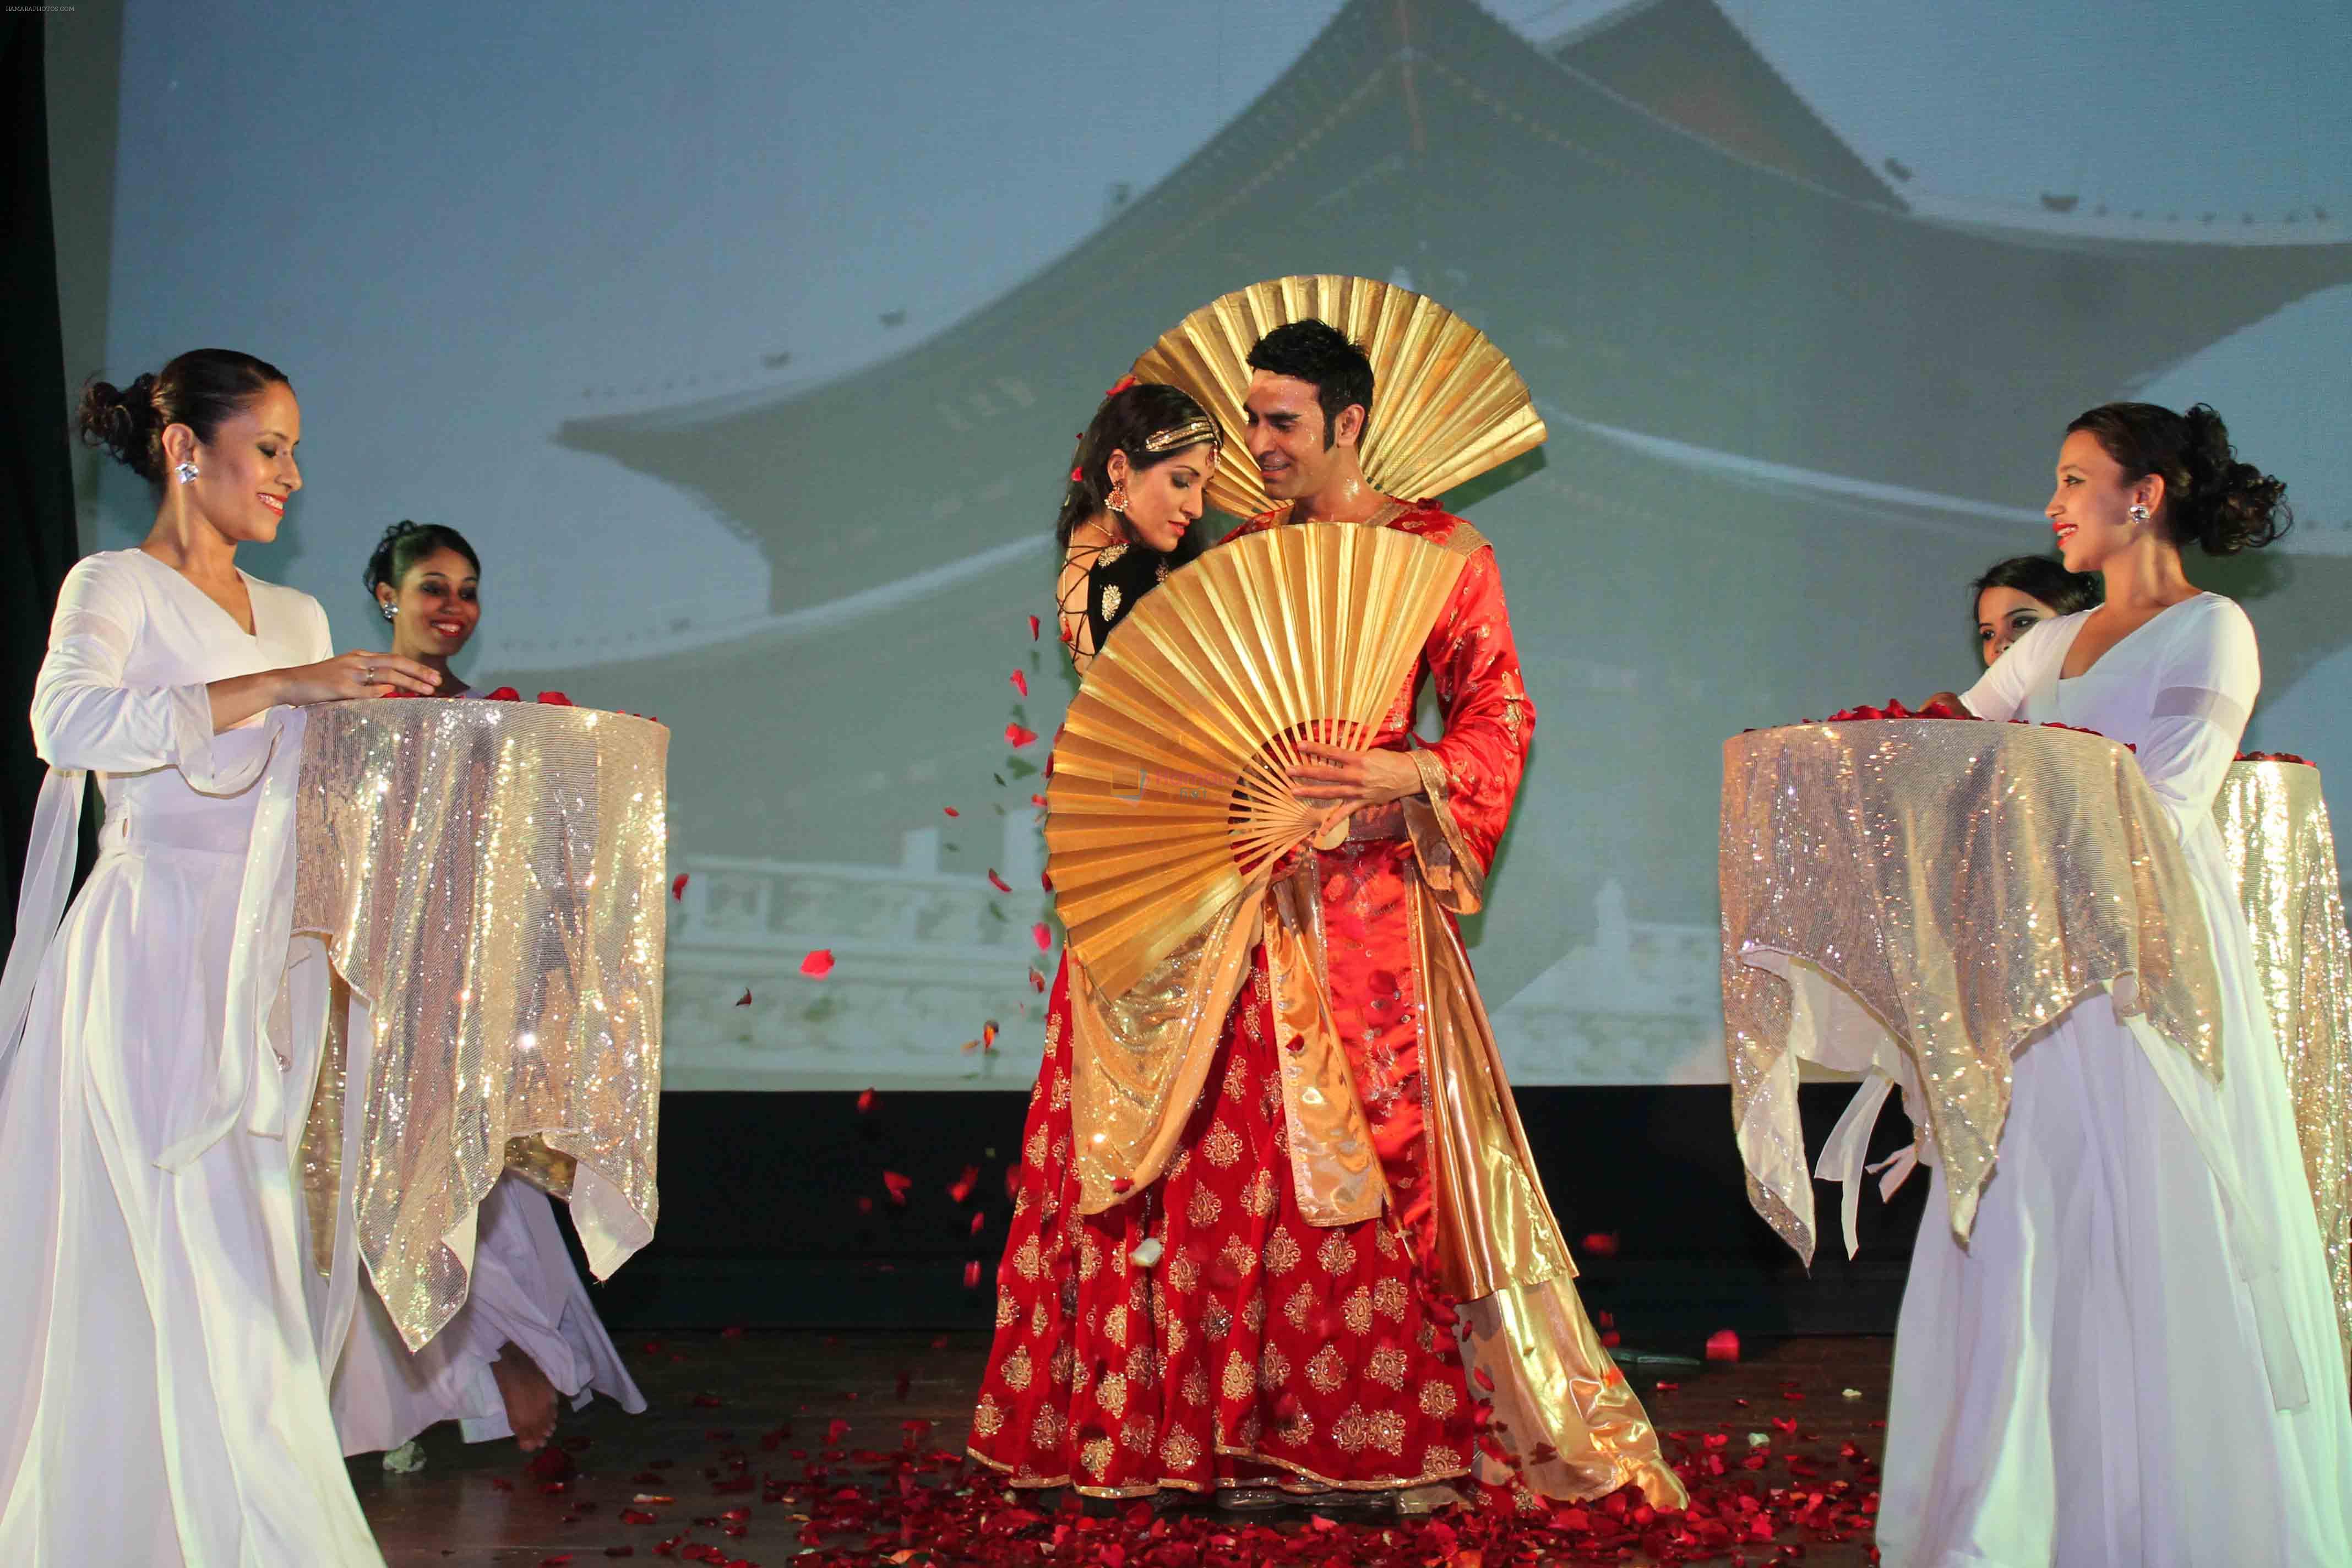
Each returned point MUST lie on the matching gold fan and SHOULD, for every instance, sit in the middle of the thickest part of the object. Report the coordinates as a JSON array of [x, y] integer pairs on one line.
[[1446, 405], [1171, 786]]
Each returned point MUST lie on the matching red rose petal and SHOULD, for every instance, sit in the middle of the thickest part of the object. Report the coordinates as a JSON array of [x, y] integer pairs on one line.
[[677, 886], [978, 1222], [1043, 935], [555, 700], [898, 1184], [1601, 1244], [1021, 683], [865, 1101], [1037, 982], [1019, 735], [818, 963], [506, 694], [972, 1271], [1723, 1345], [1032, 628], [745, 999], [961, 1188], [952, 811], [999, 883]]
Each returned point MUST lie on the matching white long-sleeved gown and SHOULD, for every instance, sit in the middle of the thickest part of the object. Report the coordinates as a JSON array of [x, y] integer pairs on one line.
[[161, 1400], [2133, 1361]]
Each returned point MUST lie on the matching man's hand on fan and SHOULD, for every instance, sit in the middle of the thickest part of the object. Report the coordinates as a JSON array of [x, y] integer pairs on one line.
[[1350, 780]]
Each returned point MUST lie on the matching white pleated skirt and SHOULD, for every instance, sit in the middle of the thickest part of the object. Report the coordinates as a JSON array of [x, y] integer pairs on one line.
[[2085, 1383], [161, 1401]]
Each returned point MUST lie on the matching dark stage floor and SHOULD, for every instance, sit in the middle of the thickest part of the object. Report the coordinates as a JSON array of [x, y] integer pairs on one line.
[[789, 1440]]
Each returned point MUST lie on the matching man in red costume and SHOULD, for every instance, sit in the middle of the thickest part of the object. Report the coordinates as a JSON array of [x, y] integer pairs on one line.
[[1268, 1312]]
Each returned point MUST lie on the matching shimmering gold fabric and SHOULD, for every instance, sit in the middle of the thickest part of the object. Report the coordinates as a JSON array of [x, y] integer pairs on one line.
[[1139, 1059], [322, 1133], [488, 877], [2275, 825], [1333, 1163], [1955, 886], [1495, 1228]]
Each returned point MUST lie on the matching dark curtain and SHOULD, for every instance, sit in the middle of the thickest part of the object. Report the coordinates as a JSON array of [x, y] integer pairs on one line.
[[36, 509]]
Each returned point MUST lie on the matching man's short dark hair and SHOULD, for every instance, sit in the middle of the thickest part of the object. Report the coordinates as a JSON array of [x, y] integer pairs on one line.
[[1320, 355]]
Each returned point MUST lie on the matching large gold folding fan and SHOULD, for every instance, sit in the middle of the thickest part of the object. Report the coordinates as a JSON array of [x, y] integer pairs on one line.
[[1446, 405], [1171, 787]]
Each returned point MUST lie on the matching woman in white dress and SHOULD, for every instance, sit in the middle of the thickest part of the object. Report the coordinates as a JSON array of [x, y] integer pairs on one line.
[[161, 1401], [2132, 1360], [528, 1336]]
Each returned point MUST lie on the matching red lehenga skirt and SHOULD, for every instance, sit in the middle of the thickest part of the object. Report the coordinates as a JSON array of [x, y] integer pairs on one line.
[[1249, 1348]]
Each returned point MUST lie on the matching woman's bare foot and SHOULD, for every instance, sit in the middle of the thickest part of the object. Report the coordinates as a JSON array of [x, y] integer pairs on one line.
[[531, 1401]]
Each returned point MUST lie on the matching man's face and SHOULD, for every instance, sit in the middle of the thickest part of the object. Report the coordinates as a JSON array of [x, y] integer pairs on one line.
[[1284, 432]]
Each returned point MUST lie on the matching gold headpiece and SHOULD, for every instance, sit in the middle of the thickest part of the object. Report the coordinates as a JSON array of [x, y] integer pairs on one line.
[[1190, 433], [1446, 405]]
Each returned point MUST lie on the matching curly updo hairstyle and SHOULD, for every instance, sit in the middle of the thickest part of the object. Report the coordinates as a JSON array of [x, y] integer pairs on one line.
[[404, 543], [1127, 418], [2210, 498], [201, 389], [2041, 579], [1319, 353]]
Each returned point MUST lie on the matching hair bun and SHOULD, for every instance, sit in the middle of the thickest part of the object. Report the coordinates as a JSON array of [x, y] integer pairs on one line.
[[2230, 505], [126, 422]]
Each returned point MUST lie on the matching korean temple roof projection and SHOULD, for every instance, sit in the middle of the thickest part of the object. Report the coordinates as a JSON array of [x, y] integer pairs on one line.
[[1761, 366]]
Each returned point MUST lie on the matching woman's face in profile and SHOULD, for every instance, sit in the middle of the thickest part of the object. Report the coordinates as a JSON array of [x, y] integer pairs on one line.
[[2003, 615]]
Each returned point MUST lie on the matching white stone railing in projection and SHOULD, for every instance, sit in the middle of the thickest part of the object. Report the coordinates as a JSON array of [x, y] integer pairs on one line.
[[923, 960]]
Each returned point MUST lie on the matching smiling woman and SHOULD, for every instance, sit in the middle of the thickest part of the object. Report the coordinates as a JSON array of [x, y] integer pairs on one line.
[[164, 1401]]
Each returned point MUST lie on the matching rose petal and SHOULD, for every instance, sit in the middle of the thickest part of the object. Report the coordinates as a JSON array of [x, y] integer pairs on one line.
[[952, 811], [1021, 683], [506, 694], [1037, 982], [971, 1272], [555, 700], [745, 999], [1019, 735], [999, 883], [677, 886], [1601, 1244], [1032, 628], [1043, 936], [1723, 1345], [898, 1186], [865, 1101], [818, 963], [961, 1188]]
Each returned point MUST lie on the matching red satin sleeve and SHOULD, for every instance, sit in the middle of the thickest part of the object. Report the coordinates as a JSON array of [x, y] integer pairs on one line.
[[1489, 722]]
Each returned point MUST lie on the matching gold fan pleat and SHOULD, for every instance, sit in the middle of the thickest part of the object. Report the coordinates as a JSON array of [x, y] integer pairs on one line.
[[1170, 783], [1446, 405]]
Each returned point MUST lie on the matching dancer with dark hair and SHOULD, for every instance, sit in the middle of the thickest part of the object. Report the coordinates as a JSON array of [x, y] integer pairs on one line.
[[1231, 1322], [2134, 1357], [1135, 491], [161, 1400], [2015, 595], [528, 1337]]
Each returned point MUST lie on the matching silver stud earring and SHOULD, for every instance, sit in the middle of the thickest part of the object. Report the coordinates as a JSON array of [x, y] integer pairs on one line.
[[187, 473], [390, 611], [2138, 512]]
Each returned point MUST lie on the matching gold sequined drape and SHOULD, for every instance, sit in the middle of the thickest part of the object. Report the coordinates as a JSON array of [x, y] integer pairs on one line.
[[1923, 895], [489, 880], [2275, 825]]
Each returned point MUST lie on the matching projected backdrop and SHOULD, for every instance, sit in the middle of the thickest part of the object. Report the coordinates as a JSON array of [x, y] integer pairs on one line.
[[750, 348]]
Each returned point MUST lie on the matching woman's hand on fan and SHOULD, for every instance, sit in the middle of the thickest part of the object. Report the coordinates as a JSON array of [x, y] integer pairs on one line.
[[1333, 776]]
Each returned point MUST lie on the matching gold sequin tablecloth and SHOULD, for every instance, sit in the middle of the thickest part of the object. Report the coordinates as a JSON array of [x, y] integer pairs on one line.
[[1918, 897], [487, 878], [2275, 825]]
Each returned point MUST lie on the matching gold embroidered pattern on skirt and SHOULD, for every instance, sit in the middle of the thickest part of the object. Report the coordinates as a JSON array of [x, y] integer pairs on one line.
[[1301, 1302], [987, 1420], [1184, 1274], [1025, 1260], [1387, 1367], [1328, 1369], [1204, 1208], [1179, 1449], [1259, 1199], [1390, 1300], [1196, 1386], [1282, 1251], [1017, 1371], [1239, 1380], [1095, 1452], [1063, 1368], [1111, 1395], [1356, 1310], [1273, 1368], [1222, 1146], [1336, 1255], [1254, 1312], [1438, 1399]]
